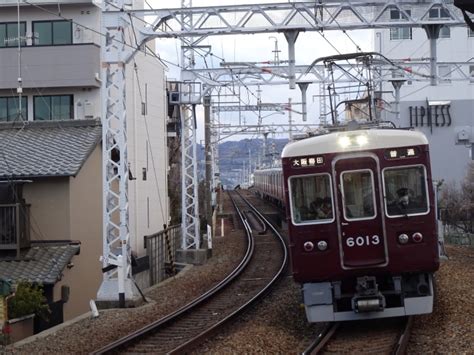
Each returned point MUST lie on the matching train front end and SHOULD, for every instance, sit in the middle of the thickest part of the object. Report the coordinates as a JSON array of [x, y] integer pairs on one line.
[[362, 223]]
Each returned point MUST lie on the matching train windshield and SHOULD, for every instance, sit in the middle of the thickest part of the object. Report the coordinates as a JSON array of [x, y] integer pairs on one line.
[[311, 199], [405, 191], [358, 192]]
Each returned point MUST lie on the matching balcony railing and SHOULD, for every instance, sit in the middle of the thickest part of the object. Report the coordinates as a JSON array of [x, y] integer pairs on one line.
[[14, 226]]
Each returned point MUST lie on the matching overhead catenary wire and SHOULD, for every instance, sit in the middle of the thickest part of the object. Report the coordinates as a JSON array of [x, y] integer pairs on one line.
[[139, 49]]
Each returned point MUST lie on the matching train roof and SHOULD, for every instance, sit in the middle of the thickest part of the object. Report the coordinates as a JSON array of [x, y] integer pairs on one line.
[[268, 170], [374, 139]]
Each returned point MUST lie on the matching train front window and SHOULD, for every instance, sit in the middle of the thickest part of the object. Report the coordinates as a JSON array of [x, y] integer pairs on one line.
[[405, 191], [358, 194], [311, 199]]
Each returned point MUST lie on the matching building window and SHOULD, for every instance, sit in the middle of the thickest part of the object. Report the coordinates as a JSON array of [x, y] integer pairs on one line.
[[9, 109], [471, 74], [9, 34], [55, 107], [445, 73], [445, 32], [401, 32], [441, 13], [470, 32], [52, 33], [438, 12]]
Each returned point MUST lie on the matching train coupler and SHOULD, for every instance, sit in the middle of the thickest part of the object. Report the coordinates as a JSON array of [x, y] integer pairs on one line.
[[368, 297]]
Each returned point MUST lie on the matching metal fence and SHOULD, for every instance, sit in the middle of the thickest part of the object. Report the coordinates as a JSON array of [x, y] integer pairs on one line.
[[14, 226], [161, 250]]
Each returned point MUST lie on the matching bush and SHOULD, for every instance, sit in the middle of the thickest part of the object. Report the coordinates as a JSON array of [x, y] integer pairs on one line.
[[457, 204], [28, 299]]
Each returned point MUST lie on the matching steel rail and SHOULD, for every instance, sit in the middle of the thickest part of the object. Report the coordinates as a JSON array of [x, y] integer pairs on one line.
[[322, 339], [256, 223], [402, 343], [189, 345], [154, 327]]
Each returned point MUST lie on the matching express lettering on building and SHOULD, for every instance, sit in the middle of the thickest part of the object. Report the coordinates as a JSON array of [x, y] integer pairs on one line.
[[436, 113]]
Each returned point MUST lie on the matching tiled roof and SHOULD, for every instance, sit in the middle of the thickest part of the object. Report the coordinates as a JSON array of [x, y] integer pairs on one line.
[[43, 149], [43, 263]]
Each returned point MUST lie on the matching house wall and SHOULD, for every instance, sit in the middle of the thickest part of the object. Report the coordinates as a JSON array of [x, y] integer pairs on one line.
[[50, 208], [86, 14], [85, 215], [449, 158], [71, 209], [147, 148], [146, 132]]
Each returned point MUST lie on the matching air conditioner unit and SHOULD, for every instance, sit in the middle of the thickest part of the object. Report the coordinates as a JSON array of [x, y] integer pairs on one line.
[[89, 109]]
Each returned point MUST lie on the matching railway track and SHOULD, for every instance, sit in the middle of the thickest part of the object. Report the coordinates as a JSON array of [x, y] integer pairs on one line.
[[382, 336], [182, 330]]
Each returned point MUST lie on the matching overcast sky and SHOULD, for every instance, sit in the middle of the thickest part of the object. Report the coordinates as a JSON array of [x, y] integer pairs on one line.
[[257, 48]]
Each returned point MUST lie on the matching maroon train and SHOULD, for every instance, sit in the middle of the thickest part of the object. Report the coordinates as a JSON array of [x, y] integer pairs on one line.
[[362, 223]]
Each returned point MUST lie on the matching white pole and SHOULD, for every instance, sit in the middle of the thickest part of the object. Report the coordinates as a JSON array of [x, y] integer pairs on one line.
[[121, 280], [209, 237]]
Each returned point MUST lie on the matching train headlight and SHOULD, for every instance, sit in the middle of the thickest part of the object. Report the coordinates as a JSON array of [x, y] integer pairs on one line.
[[322, 245], [403, 238], [417, 237], [308, 246], [344, 142], [362, 140]]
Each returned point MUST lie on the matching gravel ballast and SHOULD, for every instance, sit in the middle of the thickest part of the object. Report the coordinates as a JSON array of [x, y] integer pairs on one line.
[[277, 324]]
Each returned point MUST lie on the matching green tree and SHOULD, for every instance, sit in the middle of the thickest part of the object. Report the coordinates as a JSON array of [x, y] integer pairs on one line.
[[28, 299]]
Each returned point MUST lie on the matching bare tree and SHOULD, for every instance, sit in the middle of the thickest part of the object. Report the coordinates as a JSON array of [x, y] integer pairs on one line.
[[457, 204]]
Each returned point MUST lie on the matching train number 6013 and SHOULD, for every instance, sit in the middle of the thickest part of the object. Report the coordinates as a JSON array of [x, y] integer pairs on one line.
[[363, 241]]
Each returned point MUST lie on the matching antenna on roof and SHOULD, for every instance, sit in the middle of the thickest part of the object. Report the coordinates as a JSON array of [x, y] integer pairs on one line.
[[19, 89]]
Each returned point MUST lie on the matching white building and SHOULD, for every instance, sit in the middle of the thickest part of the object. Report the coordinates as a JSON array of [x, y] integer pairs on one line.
[[59, 65], [447, 108]]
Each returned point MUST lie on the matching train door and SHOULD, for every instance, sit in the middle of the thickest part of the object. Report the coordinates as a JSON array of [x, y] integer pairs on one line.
[[361, 230]]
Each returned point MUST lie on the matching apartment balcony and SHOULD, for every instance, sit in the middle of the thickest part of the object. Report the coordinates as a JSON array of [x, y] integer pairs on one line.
[[14, 226], [75, 65]]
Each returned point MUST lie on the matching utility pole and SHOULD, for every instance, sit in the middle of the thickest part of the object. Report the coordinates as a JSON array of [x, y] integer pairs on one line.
[[290, 134], [208, 159], [276, 52]]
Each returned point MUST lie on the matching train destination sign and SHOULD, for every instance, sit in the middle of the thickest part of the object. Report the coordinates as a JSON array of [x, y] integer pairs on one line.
[[307, 162]]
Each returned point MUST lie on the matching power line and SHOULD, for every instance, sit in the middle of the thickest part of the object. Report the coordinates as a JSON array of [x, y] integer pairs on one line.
[[100, 33]]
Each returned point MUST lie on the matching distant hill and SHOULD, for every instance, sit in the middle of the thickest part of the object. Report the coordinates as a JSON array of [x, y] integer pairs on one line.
[[235, 156]]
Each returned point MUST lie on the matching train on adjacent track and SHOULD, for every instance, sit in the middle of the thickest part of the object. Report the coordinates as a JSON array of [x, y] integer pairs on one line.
[[362, 222]]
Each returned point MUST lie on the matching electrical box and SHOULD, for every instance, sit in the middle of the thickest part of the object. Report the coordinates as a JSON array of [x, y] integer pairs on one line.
[[184, 92], [464, 134]]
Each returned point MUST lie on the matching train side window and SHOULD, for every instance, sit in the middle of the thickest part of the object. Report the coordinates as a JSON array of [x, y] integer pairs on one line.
[[405, 190], [358, 193], [311, 199]]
